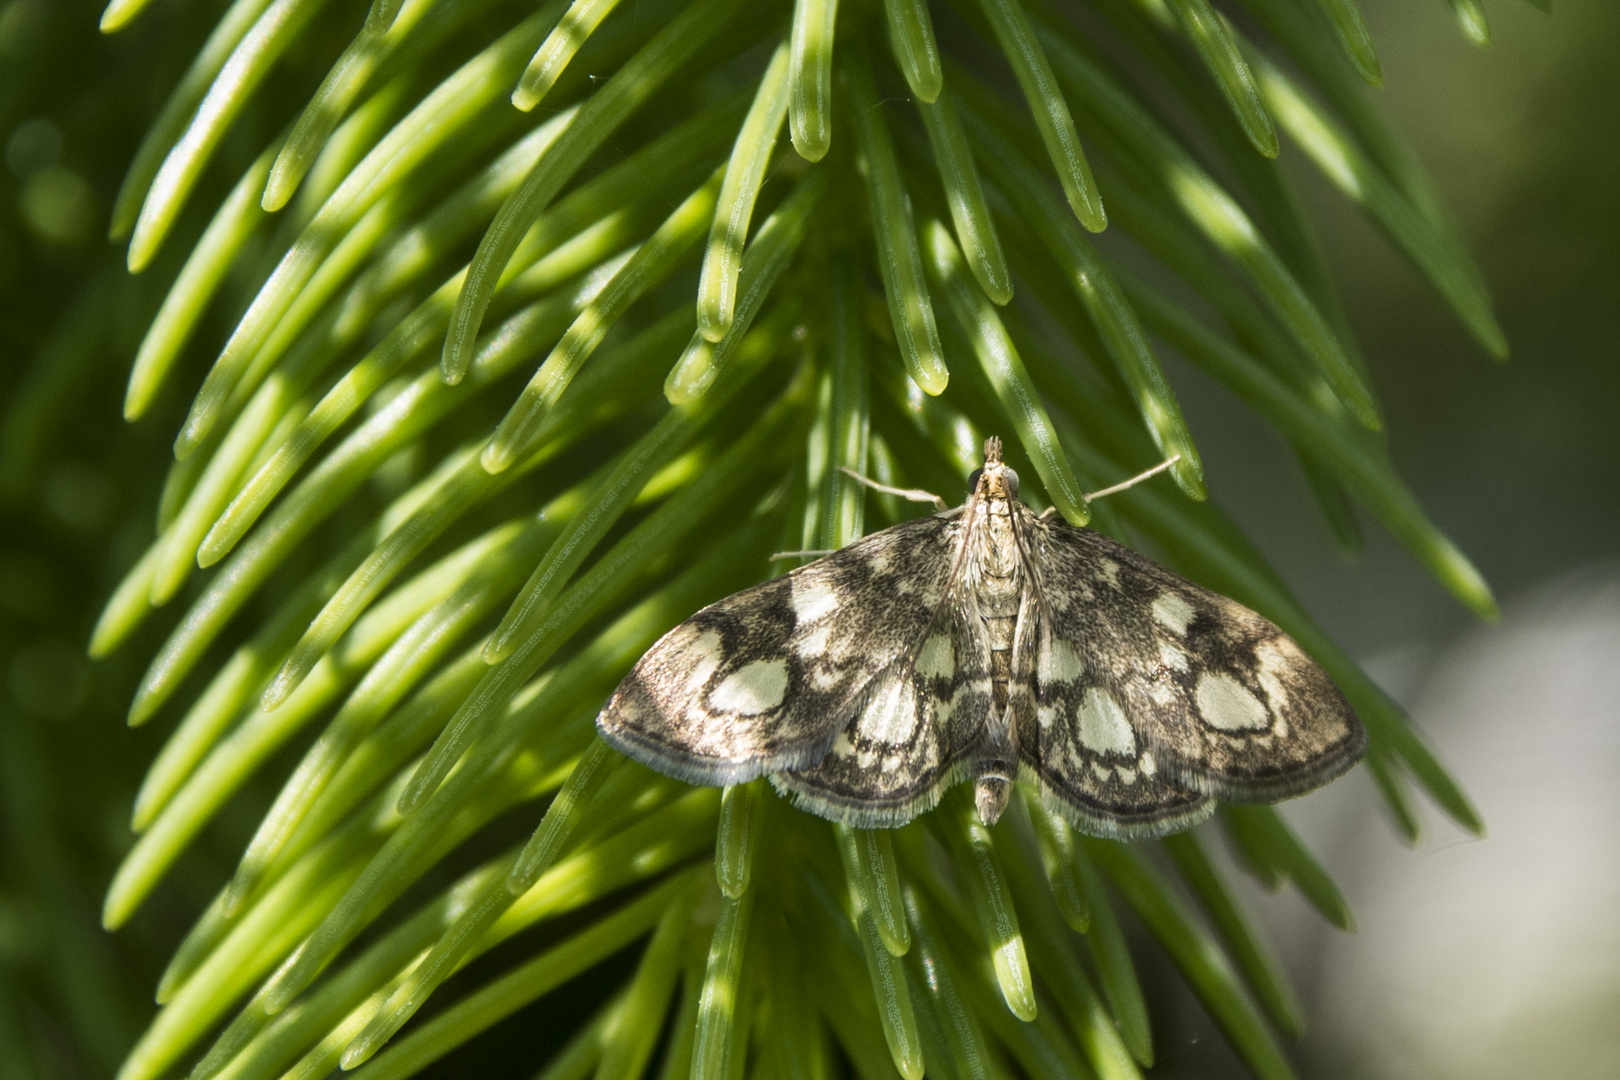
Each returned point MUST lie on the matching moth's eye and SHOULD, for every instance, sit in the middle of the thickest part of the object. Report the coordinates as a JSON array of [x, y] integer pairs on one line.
[[973, 479], [1012, 481]]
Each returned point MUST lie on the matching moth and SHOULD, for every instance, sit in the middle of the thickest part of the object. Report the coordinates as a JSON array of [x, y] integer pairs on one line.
[[989, 644]]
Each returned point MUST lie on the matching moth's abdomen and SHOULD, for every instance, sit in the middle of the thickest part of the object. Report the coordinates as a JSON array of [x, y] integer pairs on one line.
[[996, 576]]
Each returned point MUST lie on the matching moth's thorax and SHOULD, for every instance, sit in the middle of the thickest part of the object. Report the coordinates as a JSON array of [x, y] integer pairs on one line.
[[996, 542]]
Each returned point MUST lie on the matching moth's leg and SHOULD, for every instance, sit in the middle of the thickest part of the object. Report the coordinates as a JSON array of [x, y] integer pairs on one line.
[[816, 554], [1133, 481], [913, 494]]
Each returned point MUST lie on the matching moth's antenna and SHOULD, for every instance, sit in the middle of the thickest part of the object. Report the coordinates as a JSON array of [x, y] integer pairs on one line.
[[1133, 481], [812, 554], [913, 494]]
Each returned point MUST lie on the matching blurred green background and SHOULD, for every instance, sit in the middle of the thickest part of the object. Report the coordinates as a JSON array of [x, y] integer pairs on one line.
[[1519, 463]]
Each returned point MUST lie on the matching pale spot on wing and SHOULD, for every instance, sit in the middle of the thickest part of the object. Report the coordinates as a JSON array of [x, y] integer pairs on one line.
[[1173, 613], [1276, 658], [825, 678], [1060, 663], [1225, 703], [1172, 657], [942, 712], [936, 657], [1147, 764], [890, 716], [1110, 571], [841, 746], [1045, 715], [811, 643], [756, 688], [880, 560], [1103, 727], [697, 652], [1126, 776], [813, 600]]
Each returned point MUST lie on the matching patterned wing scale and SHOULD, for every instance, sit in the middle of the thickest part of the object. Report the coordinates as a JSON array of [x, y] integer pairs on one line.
[[1156, 695], [767, 679], [911, 735], [1087, 761]]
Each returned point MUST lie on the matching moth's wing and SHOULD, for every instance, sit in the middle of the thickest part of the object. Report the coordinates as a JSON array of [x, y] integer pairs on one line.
[[766, 679], [1090, 767], [1157, 694], [912, 735]]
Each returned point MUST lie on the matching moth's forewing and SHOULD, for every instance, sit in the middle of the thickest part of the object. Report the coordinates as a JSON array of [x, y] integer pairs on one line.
[[912, 734], [765, 680], [1151, 676]]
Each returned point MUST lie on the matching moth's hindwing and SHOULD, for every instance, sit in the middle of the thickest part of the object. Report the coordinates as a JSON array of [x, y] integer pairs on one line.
[[911, 733], [1155, 691], [765, 680]]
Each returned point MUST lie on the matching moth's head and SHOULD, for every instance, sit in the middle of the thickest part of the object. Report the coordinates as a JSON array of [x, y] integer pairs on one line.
[[994, 480]]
